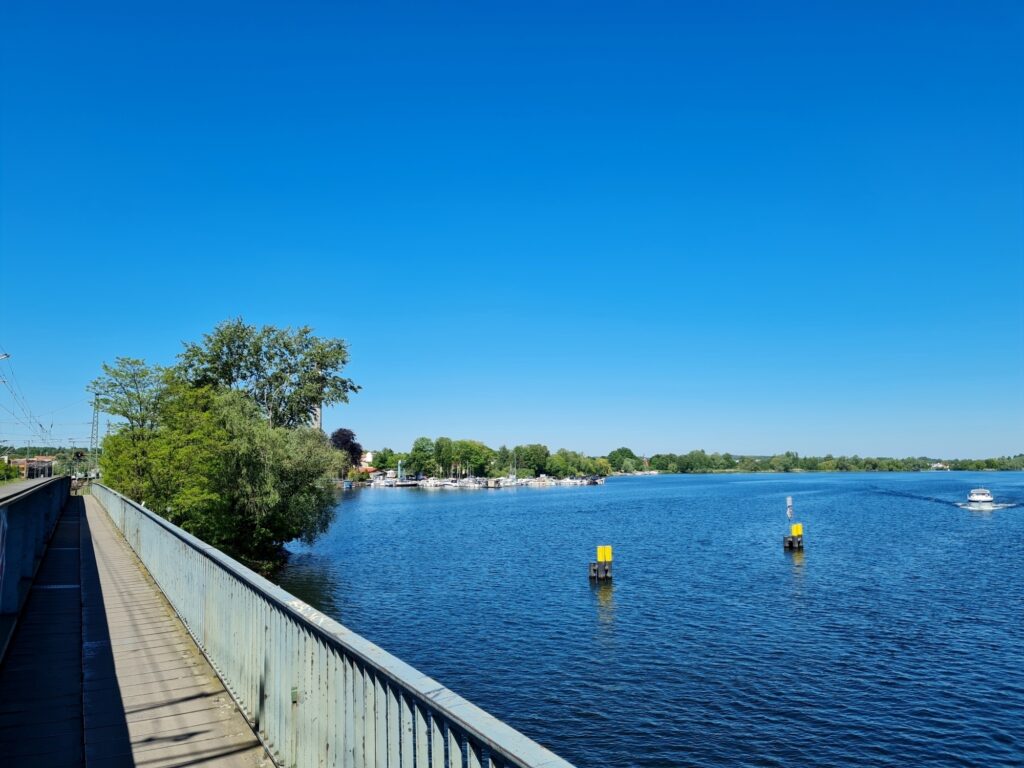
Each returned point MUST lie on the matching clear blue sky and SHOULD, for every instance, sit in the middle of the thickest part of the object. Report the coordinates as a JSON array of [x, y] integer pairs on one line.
[[752, 227]]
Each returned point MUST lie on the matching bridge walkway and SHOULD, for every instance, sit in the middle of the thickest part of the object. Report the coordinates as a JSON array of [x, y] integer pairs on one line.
[[102, 673]]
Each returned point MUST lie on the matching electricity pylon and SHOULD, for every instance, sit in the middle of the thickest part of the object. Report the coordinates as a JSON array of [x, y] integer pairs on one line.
[[94, 438]]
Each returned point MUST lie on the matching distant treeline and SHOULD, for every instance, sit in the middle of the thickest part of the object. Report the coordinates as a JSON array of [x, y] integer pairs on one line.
[[624, 460], [445, 457]]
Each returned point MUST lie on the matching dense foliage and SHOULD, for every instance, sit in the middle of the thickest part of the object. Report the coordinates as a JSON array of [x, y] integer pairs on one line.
[[287, 373], [213, 452], [445, 457]]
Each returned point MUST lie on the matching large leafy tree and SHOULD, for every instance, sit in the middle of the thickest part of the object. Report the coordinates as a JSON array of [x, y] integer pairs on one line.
[[131, 390], [618, 456], [444, 456], [385, 458], [421, 457], [472, 457], [287, 373], [533, 457], [207, 451]]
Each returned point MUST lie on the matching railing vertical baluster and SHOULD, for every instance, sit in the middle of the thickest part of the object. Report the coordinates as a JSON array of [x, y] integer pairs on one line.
[[324, 705], [276, 696], [454, 748], [436, 741], [394, 728], [294, 687], [369, 721], [304, 740], [340, 712], [350, 715], [381, 711], [422, 751], [474, 754], [407, 733], [360, 714]]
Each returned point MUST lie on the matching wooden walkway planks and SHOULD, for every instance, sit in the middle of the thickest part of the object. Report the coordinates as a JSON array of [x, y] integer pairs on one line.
[[151, 698]]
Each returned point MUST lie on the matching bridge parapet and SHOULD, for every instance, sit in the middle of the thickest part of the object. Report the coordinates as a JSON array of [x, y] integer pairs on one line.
[[315, 692], [27, 518]]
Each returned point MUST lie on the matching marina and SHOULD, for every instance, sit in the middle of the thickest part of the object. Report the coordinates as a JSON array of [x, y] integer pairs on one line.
[[478, 483]]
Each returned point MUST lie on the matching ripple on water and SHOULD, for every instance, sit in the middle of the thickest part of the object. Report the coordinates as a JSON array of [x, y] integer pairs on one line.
[[894, 639]]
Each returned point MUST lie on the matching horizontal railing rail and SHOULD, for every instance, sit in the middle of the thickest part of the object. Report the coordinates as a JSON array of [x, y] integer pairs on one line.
[[317, 693], [27, 519]]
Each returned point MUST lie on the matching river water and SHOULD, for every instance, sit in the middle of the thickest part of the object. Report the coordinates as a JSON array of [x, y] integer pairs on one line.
[[895, 638]]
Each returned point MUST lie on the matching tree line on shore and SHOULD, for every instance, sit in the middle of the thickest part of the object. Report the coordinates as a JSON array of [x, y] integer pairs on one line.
[[624, 460], [445, 457]]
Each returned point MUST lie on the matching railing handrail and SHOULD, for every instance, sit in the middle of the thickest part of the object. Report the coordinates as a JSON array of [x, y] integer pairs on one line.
[[6, 501], [477, 723]]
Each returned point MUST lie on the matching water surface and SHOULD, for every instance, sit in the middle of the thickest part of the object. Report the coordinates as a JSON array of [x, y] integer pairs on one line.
[[895, 638]]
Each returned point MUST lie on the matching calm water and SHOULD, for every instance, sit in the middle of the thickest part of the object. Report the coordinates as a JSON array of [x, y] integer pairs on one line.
[[896, 638]]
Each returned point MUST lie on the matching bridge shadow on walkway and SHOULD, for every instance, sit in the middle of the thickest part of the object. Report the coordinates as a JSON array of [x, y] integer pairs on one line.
[[101, 672], [42, 720]]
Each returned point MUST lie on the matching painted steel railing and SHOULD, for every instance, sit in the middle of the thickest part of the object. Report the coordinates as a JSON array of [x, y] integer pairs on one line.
[[26, 521], [315, 692]]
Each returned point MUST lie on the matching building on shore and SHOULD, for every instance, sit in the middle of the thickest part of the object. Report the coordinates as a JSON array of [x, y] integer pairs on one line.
[[37, 466]]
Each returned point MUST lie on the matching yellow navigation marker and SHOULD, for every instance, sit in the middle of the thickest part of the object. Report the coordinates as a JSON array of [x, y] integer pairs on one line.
[[602, 569], [795, 540]]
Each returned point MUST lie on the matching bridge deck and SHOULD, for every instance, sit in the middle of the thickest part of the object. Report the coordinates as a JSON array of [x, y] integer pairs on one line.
[[102, 672]]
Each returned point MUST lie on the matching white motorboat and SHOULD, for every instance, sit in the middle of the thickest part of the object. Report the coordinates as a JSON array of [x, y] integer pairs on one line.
[[980, 496]]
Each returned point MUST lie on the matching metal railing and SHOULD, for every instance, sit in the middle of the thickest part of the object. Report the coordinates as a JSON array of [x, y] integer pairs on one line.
[[27, 519], [316, 693]]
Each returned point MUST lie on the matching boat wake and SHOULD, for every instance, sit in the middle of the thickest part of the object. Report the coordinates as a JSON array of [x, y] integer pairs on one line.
[[975, 507], [915, 496]]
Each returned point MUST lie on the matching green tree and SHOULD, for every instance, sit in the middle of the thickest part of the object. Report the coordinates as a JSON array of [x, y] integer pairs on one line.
[[472, 457], [502, 463], [131, 390], [385, 458], [287, 373], [533, 457], [616, 457], [421, 457], [444, 456], [216, 467], [214, 455]]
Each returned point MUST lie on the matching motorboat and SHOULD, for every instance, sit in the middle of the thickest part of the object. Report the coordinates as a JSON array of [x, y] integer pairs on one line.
[[980, 496]]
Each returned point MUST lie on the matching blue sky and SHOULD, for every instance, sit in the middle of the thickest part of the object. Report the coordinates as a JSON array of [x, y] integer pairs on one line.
[[751, 227]]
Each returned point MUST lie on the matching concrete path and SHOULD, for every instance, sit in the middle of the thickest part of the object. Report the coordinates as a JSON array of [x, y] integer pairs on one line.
[[41, 674], [140, 660], [102, 673]]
